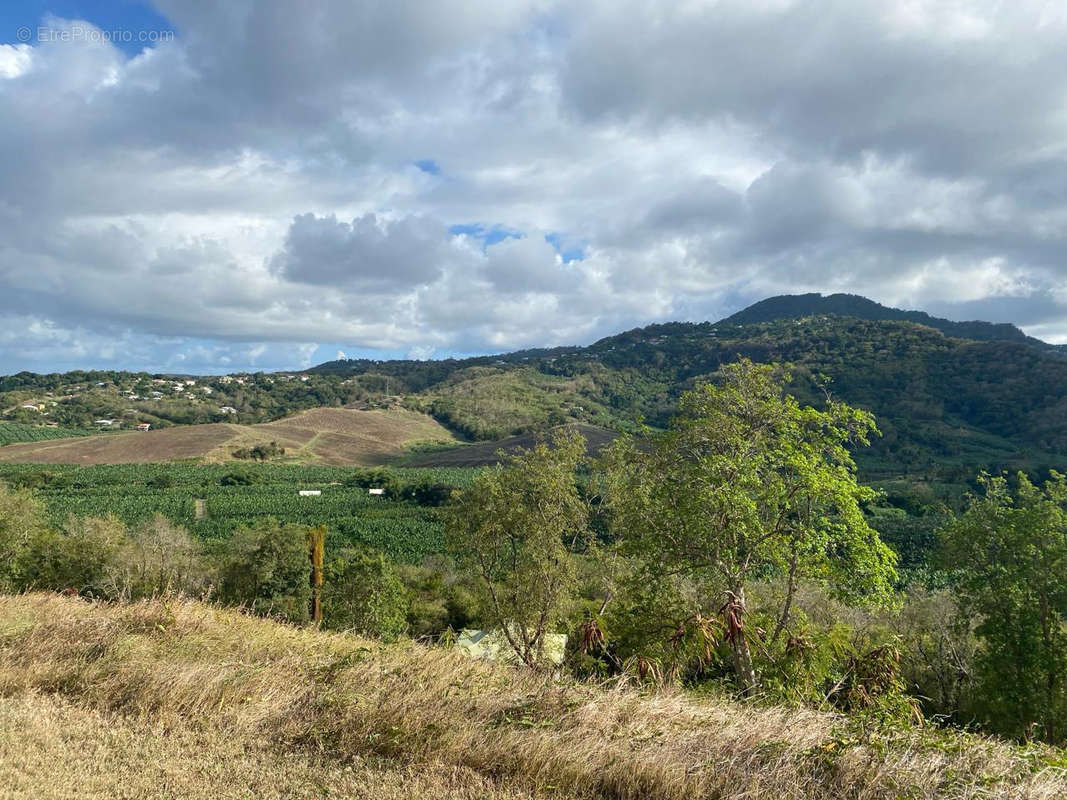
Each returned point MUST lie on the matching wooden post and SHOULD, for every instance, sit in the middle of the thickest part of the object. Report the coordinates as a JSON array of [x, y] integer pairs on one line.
[[316, 552]]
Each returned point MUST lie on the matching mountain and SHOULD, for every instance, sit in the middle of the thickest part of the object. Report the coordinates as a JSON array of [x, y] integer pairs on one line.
[[950, 398], [795, 306]]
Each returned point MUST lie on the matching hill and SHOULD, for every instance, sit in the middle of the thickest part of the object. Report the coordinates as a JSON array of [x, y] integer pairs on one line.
[[250, 700], [485, 454], [951, 398], [323, 436], [798, 306]]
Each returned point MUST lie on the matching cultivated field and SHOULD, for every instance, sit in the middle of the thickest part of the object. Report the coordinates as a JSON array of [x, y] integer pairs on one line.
[[206, 698], [336, 436]]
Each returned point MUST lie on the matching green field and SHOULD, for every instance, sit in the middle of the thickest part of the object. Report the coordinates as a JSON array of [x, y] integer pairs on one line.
[[14, 432], [403, 529]]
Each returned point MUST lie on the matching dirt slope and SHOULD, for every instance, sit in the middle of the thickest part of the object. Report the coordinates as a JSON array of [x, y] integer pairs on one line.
[[335, 436]]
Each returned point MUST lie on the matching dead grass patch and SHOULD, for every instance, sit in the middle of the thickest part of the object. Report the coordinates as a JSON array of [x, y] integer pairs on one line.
[[350, 698]]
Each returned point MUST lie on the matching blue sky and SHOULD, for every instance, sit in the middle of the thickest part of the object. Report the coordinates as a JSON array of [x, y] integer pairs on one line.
[[133, 16], [278, 182]]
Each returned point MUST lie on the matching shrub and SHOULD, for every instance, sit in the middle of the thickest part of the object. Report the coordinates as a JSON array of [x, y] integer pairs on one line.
[[239, 479], [160, 558], [21, 519], [82, 556], [265, 568], [362, 593]]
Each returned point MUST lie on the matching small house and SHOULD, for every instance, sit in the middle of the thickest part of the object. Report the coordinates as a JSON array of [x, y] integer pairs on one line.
[[227, 410], [310, 492], [376, 492], [144, 427]]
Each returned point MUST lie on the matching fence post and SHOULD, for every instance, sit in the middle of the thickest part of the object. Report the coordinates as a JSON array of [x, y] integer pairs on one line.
[[316, 552]]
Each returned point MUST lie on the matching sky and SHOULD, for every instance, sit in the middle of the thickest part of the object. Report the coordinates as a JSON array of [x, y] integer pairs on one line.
[[192, 186]]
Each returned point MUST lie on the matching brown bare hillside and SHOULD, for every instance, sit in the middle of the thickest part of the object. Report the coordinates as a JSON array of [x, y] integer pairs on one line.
[[337, 436]]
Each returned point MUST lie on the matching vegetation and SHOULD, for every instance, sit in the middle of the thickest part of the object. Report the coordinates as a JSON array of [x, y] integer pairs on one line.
[[404, 523], [951, 399], [212, 676], [510, 528], [799, 306], [13, 432], [1009, 551], [54, 749], [748, 483], [732, 548], [259, 452]]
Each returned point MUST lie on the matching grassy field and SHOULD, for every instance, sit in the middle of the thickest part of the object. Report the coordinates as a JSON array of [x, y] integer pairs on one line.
[[53, 749], [336, 436], [250, 701]]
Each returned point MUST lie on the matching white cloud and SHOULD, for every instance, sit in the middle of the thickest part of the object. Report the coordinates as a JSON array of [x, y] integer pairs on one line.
[[250, 188]]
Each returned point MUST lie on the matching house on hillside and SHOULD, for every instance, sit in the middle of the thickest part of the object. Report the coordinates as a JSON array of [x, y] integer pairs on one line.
[[227, 410], [104, 423], [144, 427]]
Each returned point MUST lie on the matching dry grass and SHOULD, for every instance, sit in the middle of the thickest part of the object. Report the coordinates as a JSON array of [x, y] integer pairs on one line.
[[52, 749], [337, 436], [316, 693]]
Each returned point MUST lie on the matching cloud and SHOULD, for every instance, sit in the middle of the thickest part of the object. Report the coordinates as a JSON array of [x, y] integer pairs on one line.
[[366, 254], [277, 180]]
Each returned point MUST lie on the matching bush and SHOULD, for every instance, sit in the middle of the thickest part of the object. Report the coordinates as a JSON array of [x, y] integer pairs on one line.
[[239, 479], [82, 556], [362, 593], [266, 568], [161, 558], [21, 520], [378, 478], [261, 452]]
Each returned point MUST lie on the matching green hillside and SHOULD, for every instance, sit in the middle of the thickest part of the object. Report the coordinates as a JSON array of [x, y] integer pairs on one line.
[[796, 306], [951, 398]]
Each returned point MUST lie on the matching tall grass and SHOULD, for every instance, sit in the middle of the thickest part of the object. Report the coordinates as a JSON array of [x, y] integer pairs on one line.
[[349, 698]]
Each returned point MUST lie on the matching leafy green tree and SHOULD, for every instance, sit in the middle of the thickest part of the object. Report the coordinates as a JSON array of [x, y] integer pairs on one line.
[[512, 526], [363, 593], [266, 567], [746, 483], [21, 520], [81, 556], [1010, 550]]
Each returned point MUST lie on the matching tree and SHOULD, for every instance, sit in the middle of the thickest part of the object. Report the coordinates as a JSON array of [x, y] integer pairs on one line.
[[81, 556], [1011, 556], [159, 558], [748, 483], [21, 520], [267, 569], [364, 594], [512, 526]]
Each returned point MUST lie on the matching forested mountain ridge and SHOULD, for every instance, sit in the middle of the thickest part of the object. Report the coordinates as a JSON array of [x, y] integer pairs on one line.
[[796, 306], [947, 405]]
